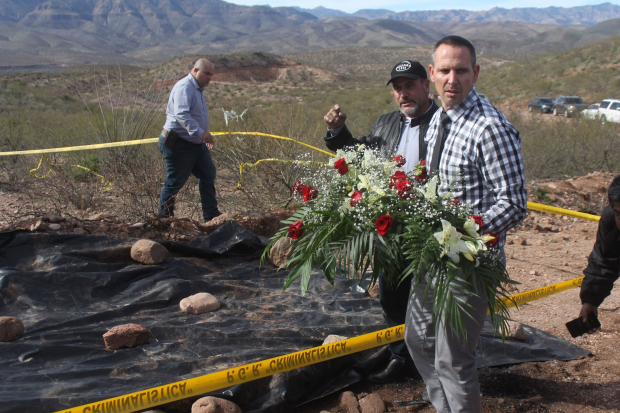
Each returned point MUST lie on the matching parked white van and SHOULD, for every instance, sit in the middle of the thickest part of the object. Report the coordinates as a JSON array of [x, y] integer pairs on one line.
[[609, 110]]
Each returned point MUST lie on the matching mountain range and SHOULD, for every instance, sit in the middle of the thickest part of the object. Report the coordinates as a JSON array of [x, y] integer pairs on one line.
[[581, 15], [37, 34]]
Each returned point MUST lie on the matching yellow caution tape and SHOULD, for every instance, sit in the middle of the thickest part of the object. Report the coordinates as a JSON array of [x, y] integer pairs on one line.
[[183, 389], [561, 211], [106, 186], [526, 297], [82, 147], [275, 137], [149, 140]]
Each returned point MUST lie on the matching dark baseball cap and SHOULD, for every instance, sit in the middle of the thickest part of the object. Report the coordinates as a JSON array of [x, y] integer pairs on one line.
[[409, 69]]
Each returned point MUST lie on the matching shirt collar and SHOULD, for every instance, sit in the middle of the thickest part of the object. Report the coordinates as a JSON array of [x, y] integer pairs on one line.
[[465, 106], [195, 83]]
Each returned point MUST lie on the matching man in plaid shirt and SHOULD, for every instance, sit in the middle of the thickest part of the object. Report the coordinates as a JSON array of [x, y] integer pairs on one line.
[[477, 153]]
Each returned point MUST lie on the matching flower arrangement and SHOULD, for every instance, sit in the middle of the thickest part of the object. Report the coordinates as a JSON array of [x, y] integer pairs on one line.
[[361, 211]]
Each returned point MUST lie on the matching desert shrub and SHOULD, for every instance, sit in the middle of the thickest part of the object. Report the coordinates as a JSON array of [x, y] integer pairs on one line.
[[268, 184], [566, 148]]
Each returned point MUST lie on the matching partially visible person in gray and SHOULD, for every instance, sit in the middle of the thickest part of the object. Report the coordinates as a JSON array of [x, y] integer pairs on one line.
[[185, 142], [477, 153]]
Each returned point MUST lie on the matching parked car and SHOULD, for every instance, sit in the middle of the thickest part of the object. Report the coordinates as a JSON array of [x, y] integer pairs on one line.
[[591, 112], [568, 105], [609, 111], [542, 105]]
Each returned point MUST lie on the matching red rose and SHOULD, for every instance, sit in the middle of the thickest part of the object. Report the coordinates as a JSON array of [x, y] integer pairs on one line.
[[400, 160], [398, 177], [298, 187], [454, 202], [494, 241], [296, 229], [402, 188], [477, 219], [342, 166], [383, 224], [356, 198], [309, 193]]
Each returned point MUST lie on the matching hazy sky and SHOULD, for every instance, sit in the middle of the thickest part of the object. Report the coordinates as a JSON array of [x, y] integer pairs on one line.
[[351, 6]]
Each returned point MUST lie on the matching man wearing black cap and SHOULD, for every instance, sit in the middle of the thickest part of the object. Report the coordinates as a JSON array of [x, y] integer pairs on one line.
[[396, 133]]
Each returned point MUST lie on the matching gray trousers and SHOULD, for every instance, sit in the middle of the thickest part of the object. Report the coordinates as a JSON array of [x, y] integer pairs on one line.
[[445, 360]]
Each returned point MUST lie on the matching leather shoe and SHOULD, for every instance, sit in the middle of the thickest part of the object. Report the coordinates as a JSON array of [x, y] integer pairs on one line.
[[209, 218], [395, 369]]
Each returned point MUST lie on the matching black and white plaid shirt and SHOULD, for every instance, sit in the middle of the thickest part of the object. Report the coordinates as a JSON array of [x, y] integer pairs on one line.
[[481, 163]]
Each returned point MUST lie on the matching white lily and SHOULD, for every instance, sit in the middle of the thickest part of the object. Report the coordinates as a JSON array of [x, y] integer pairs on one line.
[[452, 243], [471, 227], [486, 238], [378, 190], [363, 183], [431, 188]]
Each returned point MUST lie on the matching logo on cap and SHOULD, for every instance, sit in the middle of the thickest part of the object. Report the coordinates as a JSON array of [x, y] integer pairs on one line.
[[404, 66]]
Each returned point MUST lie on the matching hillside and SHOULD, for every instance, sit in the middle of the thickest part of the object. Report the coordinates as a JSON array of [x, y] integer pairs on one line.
[[62, 33]]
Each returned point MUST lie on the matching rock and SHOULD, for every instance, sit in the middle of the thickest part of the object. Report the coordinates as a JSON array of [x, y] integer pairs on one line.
[[332, 338], [511, 288], [80, 231], [515, 330], [139, 225], [11, 328], [281, 251], [348, 402], [54, 217], [372, 404], [126, 335], [199, 303], [98, 217], [54, 227], [214, 405], [148, 252], [534, 272], [559, 238], [39, 226], [123, 234], [520, 240]]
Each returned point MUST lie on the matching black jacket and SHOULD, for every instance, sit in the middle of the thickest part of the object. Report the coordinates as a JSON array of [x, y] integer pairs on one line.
[[603, 262], [384, 134]]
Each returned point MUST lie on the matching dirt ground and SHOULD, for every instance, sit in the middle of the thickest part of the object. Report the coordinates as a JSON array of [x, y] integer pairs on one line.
[[543, 250]]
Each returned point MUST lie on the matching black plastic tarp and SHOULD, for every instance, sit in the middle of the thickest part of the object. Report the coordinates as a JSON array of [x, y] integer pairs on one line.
[[70, 289]]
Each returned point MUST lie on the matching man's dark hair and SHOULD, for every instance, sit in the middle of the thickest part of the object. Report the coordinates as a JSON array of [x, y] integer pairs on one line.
[[613, 193], [457, 41]]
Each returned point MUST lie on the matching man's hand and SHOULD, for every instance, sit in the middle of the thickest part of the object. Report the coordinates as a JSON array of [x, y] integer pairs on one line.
[[207, 138], [335, 118], [586, 309]]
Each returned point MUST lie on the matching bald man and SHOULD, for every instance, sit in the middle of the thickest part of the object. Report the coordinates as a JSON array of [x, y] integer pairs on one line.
[[186, 142]]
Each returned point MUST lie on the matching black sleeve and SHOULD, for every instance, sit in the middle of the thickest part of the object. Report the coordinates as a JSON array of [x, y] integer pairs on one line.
[[603, 262], [344, 138], [340, 140]]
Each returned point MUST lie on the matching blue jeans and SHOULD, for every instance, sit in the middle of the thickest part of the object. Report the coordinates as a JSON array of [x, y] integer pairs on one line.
[[184, 159]]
